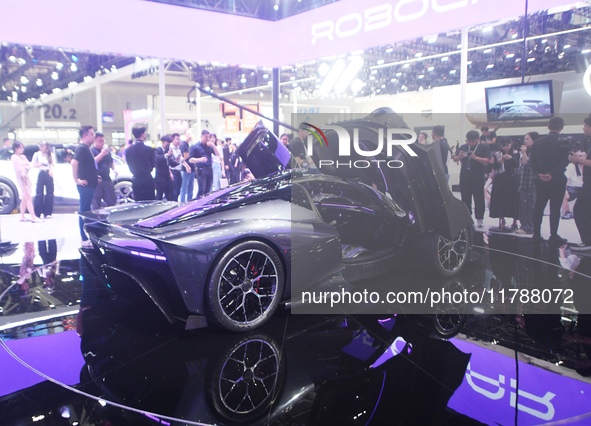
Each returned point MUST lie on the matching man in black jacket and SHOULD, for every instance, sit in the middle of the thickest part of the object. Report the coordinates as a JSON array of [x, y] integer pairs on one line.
[[163, 179], [548, 162], [141, 161]]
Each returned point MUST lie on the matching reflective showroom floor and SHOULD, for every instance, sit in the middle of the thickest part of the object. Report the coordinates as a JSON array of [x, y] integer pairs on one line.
[[130, 368]]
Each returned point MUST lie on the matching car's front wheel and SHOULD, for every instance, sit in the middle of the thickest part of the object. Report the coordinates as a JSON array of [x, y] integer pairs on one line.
[[449, 255], [124, 192], [245, 287], [8, 197]]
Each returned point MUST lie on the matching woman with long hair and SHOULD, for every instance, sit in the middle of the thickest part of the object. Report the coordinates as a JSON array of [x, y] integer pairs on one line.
[[44, 161], [21, 169], [504, 200]]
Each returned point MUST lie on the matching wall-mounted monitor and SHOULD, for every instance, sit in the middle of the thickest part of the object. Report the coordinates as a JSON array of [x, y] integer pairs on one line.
[[516, 102]]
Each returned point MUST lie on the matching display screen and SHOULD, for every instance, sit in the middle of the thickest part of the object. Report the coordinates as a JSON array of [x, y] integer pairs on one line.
[[515, 102]]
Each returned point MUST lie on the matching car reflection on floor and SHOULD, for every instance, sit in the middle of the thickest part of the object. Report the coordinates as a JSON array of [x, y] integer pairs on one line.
[[306, 369]]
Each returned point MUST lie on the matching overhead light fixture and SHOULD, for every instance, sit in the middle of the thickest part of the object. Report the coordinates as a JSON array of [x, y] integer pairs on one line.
[[23, 89], [531, 59], [346, 78], [243, 80], [224, 85], [21, 61], [332, 76], [12, 59], [453, 72], [490, 66], [430, 68], [584, 51], [265, 76], [357, 85], [74, 58], [56, 90], [59, 66], [87, 79], [73, 67], [276, 7], [406, 65], [389, 50], [510, 55], [487, 51], [566, 46], [445, 59], [39, 82], [487, 29], [380, 62], [514, 36], [24, 79], [418, 54], [398, 74], [55, 75]]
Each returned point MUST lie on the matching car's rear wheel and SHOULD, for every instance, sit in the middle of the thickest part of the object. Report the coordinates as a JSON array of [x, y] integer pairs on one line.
[[245, 287], [124, 192], [8, 197], [448, 256]]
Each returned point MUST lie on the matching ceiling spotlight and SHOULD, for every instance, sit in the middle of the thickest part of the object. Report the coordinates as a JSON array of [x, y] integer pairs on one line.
[[72, 84], [490, 66], [421, 76], [56, 90], [452, 72], [73, 67], [406, 65], [87, 79], [566, 46], [389, 50], [459, 46], [12, 59], [487, 51], [292, 78], [510, 55], [265, 76], [39, 82], [243, 80], [514, 36], [261, 94], [114, 68], [487, 29], [21, 61], [23, 89], [54, 75], [59, 66], [531, 59], [276, 7], [207, 88], [74, 58], [224, 84], [357, 85], [586, 51], [323, 69], [24, 79], [398, 74], [430, 68], [380, 61], [418, 54], [445, 59]]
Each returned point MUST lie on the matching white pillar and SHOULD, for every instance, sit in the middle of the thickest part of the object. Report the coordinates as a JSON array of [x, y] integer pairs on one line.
[[99, 108], [42, 120], [23, 114], [162, 95], [198, 105], [463, 81]]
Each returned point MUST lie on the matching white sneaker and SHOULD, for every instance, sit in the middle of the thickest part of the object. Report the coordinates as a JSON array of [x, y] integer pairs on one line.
[[479, 223]]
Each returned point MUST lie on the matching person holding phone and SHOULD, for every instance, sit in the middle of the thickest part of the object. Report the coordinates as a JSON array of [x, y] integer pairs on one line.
[[473, 156]]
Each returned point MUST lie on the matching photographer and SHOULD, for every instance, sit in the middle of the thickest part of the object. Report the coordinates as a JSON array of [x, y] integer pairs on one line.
[[473, 156]]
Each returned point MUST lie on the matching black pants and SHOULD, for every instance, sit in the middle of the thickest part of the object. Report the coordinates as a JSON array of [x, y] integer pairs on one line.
[[176, 184], [471, 187], [205, 181], [143, 189], [582, 212], [165, 189], [552, 191], [44, 195]]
